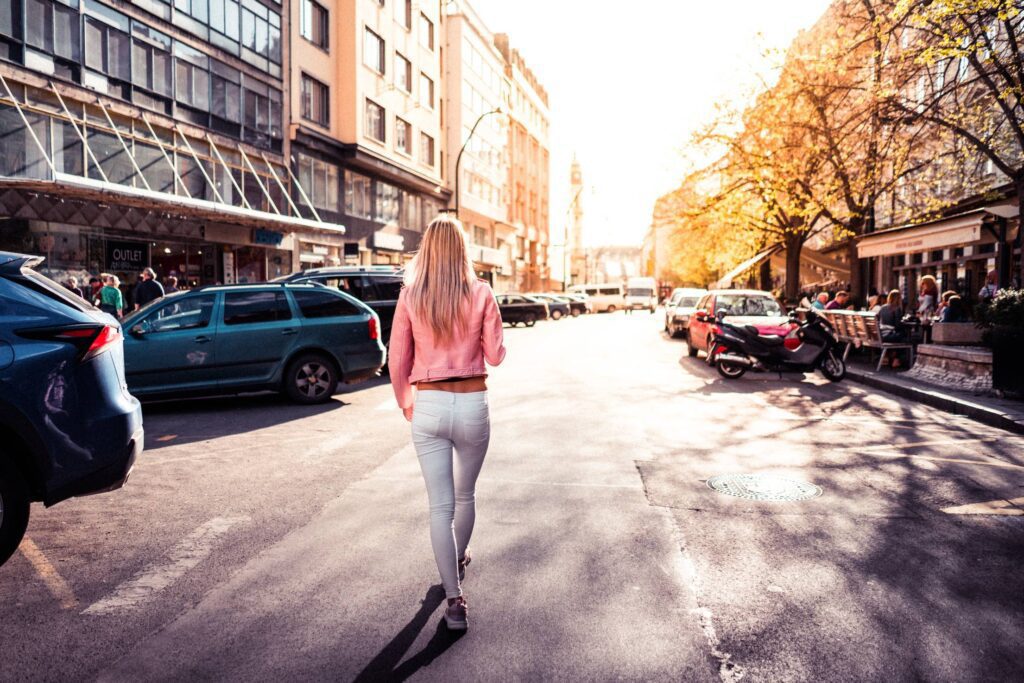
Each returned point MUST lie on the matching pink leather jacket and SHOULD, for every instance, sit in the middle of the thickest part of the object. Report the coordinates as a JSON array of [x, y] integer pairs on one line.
[[413, 356]]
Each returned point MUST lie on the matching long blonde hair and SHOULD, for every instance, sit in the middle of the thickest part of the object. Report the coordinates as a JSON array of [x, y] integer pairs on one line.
[[439, 279]]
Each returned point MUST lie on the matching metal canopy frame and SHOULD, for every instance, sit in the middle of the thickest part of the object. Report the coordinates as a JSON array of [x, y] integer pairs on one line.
[[188, 206]]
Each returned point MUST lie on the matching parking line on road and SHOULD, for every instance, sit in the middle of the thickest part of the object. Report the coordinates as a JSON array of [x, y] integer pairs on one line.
[[56, 584], [192, 550]]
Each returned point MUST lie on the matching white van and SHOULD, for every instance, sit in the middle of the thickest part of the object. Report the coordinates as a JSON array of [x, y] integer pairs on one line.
[[642, 292], [603, 297]]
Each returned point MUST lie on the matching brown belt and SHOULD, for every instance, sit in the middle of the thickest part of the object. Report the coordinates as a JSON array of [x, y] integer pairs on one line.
[[456, 385]]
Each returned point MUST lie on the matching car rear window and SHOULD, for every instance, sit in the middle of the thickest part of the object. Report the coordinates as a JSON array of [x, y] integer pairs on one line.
[[388, 288], [748, 305], [43, 285], [241, 308], [687, 302], [610, 291], [314, 304]]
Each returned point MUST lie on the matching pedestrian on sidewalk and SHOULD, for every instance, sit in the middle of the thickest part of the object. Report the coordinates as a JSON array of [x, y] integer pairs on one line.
[[148, 289], [446, 324], [110, 299]]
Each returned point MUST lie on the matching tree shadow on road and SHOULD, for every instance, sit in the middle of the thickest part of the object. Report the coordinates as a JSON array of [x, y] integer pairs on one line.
[[388, 664]]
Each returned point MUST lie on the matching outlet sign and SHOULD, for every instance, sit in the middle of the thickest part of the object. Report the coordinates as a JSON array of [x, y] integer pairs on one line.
[[127, 257]]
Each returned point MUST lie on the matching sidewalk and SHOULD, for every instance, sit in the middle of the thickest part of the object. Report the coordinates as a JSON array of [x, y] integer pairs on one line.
[[996, 412]]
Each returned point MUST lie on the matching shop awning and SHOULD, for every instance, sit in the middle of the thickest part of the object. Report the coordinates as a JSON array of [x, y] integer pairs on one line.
[[725, 281], [953, 231], [50, 200]]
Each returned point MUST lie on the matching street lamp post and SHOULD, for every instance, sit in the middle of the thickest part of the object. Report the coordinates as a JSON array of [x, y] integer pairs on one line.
[[458, 159]]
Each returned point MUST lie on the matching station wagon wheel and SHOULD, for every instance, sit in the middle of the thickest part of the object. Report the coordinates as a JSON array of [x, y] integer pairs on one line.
[[529, 319], [14, 507], [311, 378], [691, 349], [556, 314]]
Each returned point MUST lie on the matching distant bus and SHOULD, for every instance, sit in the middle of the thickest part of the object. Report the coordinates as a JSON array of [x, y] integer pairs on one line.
[[642, 292], [602, 297]]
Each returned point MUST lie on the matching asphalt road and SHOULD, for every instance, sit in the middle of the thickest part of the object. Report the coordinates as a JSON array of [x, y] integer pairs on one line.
[[258, 540]]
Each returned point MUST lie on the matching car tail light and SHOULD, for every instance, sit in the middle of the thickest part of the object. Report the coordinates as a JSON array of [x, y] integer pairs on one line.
[[373, 328], [91, 340]]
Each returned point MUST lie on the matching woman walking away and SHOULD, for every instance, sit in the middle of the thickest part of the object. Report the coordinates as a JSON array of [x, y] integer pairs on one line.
[[446, 325]]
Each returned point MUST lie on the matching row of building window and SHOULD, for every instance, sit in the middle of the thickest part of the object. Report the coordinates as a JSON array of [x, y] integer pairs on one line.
[[315, 107], [133, 61], [374, 56], [364, 197]]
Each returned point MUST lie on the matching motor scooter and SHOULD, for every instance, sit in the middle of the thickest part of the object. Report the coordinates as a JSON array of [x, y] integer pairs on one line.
[[810, 345]]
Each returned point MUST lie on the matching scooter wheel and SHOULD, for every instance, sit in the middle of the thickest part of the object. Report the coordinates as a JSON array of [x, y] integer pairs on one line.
[[832, 367], [730, 370]]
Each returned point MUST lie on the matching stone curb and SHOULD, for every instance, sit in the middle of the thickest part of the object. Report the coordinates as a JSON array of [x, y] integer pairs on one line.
[[990, 416]]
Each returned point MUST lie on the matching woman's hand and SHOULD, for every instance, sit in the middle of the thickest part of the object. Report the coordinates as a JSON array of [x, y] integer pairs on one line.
[[408, 413]]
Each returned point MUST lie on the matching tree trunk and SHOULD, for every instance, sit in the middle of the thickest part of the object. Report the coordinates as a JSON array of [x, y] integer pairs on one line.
[[765, 274], [1020, 231], [858, 287], [794, 245]]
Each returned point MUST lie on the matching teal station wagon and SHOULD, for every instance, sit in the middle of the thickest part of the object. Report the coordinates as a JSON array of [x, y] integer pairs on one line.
[[301, 339]]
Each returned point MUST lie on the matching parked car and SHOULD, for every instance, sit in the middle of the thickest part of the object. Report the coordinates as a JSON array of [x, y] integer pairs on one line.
[[299, 338], [603, 297], [517, 308], [557, 308], [678, 309], [577, 307], [68, 425], [578, 299], [376, 286], [741, 307]]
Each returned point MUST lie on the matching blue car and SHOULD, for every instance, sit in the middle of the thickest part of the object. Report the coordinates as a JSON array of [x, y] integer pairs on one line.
[[68, 425], [300, 339]]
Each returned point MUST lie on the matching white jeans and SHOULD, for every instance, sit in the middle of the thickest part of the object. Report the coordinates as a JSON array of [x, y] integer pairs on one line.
[[450, 432]]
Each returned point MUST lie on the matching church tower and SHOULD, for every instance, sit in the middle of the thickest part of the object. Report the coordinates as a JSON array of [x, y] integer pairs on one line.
[[577, 256]]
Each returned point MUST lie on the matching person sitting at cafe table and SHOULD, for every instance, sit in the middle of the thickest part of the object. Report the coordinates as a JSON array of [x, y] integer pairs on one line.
[[954, 311], [842, 300], [890, 322], [820, 301], [928, 300], [991, 287], [944, 301]]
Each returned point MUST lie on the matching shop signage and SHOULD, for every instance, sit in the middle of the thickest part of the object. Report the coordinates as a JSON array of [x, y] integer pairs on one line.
[[921, 239], [268, 237], [319, 249], [385, 240], [127, 257]]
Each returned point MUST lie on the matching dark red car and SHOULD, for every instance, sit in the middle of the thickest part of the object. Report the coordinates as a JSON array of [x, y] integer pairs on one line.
[[741, 307]]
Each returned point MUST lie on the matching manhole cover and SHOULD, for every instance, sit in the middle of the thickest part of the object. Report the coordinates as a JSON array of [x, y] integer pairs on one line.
[[763, 487]]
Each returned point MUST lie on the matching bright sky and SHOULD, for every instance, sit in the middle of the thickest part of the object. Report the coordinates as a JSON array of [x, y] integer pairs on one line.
[[629, 82]]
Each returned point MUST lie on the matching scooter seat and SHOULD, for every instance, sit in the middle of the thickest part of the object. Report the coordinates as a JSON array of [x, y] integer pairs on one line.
[[770, 339]]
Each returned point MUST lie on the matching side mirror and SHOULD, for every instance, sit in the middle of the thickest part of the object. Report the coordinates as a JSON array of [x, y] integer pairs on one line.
[[700, 316]]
